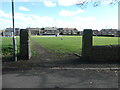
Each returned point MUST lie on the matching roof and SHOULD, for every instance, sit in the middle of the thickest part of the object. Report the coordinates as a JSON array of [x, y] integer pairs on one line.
[[109, 30], [94, 30], [33, 28], [50, 28], [69, 28], [11, 29]]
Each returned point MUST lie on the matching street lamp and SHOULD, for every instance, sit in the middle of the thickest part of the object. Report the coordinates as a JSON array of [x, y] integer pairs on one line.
[[14, 37]]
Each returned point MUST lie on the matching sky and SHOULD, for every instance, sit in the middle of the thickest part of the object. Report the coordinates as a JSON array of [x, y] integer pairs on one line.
[[58, 13]]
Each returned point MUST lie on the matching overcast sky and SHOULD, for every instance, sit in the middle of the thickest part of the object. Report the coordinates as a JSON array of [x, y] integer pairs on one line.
[[59, 13]]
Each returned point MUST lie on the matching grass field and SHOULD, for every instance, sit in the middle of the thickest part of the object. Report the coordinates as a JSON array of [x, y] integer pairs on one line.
[[64, 44], [7, 45]]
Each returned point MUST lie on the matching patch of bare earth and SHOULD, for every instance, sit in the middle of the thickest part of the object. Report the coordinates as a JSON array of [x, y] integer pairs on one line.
[[44, 55], [44, 58]]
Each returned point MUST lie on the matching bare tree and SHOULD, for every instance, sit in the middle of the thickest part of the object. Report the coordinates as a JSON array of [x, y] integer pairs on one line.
[[95, 3]]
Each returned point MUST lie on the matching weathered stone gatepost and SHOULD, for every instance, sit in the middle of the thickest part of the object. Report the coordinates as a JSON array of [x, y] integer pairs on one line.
[[25, 49], [87, 43]]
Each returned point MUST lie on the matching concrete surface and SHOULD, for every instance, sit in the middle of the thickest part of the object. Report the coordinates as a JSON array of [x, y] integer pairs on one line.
[[60, 78]]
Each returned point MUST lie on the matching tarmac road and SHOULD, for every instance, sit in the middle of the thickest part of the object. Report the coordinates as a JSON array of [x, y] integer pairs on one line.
[[60, 78]]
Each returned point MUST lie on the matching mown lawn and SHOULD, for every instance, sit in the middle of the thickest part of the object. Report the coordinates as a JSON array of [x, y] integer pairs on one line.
[[105, 40], [60, 44], [70, 44], [64, 44]]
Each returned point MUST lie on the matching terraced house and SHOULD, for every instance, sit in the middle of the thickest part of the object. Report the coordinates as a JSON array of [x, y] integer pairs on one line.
[[9, 32], [96, 32], [50, 30], [35, 31], [113, 32], [70, 31]]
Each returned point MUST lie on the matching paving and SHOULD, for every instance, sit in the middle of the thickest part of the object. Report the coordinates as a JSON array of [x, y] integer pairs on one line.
[[60, 78]]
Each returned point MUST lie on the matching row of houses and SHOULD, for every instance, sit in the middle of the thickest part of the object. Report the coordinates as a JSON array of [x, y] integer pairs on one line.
[[53, 31], [42, 31], [61, 31], [9, 32], [112, 32]]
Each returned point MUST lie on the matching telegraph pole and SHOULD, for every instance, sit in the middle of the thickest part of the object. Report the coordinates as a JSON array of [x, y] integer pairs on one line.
[[14, 37]]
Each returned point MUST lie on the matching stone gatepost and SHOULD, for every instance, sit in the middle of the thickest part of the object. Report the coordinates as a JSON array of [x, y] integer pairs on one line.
[[87, 43], [25, 49]]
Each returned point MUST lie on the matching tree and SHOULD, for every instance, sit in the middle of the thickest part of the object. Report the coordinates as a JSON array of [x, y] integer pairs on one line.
[[95, 3]]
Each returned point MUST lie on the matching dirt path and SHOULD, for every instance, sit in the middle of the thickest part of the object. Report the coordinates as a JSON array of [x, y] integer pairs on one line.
[[41, 53], [44, 55], [48, 59]]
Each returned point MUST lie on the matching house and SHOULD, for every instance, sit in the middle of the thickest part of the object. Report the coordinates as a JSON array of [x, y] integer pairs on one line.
[[70, 31], [34, 31], [96, 32], [9, 31], [113, 32], [109, 32], [50, 30], [104, 32], [60, 30]]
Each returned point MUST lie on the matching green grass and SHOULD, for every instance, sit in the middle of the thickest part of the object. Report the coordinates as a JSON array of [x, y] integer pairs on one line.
[[65, 44], [60, 44], [105, 40], [7, 46], [70, 44]]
